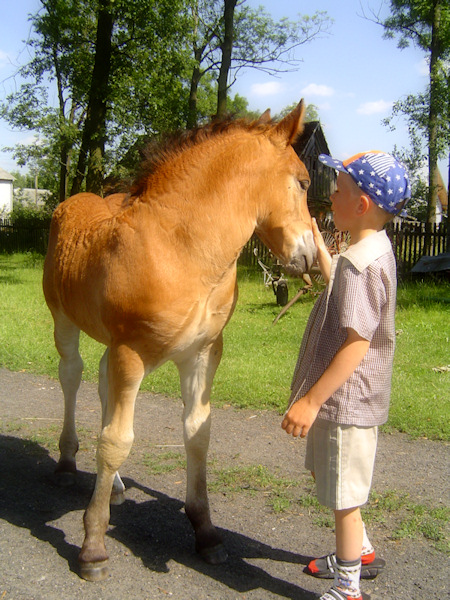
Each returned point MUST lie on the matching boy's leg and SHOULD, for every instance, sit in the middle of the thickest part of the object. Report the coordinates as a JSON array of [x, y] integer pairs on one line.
[[349, 534], [342, 460]]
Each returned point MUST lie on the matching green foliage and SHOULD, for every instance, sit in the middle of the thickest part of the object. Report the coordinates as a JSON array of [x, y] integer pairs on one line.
[[311, 112], [413, 20], [30, 216]]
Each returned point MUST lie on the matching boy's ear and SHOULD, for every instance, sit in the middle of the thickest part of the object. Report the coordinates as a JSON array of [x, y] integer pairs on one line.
[[364, 205]]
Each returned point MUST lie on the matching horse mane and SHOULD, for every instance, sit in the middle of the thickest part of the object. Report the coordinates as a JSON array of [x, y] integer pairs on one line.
[[158, 152]]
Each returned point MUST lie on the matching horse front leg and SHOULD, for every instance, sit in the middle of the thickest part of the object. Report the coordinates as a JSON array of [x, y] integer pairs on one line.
[[67, 337], [125, 373], [196, 376]]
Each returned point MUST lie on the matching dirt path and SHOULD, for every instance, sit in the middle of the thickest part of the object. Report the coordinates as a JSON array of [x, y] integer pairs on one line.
[[150, 541]]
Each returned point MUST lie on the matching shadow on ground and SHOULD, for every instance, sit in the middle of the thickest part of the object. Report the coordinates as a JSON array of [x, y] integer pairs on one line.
[[155, 530]]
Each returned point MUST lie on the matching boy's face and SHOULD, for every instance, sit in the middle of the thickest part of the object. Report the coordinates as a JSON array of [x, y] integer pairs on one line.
[[345, 202]]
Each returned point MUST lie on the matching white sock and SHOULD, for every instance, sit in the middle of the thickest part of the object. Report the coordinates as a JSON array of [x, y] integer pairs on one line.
[[347, 576], [367, 547]]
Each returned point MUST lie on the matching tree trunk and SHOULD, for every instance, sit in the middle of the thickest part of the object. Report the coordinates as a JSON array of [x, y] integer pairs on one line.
[[227, 49], [65, 145], [433, 117], [94, 131], [195, 80]]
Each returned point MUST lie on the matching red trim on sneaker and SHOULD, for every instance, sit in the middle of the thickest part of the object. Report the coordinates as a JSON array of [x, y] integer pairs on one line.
[[313, 567], [368, 558]]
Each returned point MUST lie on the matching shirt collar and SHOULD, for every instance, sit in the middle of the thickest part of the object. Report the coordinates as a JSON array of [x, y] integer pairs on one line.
[[368, 249]]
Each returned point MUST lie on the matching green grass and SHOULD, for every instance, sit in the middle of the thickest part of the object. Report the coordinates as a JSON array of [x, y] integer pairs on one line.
[[259, 357], [163, 462]]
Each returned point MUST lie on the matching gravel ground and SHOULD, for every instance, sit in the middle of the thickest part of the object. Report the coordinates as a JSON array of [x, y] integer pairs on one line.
[[150, 541]]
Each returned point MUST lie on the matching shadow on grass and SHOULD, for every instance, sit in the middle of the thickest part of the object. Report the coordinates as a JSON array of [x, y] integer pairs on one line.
[[8, 275], [155, 530], [423, 294]]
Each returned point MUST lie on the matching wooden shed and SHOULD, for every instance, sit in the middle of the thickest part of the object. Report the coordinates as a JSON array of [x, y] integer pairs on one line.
[[308, 146]]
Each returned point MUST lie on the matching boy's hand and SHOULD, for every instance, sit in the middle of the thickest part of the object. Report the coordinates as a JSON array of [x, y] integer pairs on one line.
[[300, 417], [323, 256], [318, 238]]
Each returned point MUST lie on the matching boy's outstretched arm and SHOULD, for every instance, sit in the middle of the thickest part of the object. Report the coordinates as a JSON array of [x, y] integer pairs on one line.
[[323, 256], [303, 413]]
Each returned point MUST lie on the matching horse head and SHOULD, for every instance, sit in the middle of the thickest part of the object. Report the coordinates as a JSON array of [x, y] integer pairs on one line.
[[284, 222]]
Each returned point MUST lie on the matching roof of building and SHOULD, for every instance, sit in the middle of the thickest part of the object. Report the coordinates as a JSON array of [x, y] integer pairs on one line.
[[5, 176], [312, 136]]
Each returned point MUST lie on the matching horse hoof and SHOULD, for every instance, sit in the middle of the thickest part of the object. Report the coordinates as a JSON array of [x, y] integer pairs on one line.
[[215, 555], [96, 571], [65, 479], [66, 472], [117, 498]]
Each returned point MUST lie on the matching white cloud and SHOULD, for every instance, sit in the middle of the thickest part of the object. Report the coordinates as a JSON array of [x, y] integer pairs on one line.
[[423, 67], [372, 108], [271, 88], [31, 140], [314, 89], [4, 58]]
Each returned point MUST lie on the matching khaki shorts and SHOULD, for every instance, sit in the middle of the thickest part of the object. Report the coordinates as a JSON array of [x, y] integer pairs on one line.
[[342, 458]]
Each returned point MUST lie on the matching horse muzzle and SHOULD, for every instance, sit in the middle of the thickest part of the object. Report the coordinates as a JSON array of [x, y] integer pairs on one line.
[[303, 257]]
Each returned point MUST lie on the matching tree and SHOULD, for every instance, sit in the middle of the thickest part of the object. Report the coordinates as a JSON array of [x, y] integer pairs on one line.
[[311, 112], [105, 98], [426, 24], [228, 36]]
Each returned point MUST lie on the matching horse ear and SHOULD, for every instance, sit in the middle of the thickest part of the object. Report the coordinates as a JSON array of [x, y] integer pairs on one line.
[[291, 126], [265, 118]]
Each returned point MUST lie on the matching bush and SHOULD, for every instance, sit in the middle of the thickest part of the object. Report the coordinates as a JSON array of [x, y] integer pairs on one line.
[[24, 215]]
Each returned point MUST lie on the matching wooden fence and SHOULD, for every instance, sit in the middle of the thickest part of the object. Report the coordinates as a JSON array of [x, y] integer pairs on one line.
[[23, 238], [410, 241]]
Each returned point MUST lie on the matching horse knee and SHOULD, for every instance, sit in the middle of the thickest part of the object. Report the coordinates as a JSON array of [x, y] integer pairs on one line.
[[113, 448]]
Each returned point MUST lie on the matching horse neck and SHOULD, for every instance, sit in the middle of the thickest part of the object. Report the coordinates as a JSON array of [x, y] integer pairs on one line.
[[206, 193]]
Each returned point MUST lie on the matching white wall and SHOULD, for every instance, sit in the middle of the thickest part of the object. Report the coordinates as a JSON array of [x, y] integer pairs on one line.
[[6, 196]]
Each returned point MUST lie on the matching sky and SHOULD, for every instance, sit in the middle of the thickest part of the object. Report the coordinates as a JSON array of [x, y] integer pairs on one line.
[[352, 75]]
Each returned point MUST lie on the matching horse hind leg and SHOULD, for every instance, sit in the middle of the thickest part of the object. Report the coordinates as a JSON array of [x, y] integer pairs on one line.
[[118, 488], [70, 369], [125, 373]]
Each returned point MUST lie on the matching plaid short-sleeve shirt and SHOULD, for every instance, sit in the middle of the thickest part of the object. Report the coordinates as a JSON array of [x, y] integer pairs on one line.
[[361, 294]]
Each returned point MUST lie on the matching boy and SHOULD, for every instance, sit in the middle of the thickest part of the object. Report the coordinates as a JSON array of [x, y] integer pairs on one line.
[[341, 383]]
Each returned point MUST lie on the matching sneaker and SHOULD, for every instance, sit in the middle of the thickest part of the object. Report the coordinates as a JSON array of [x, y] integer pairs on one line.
[[335, 594], [325, 567]]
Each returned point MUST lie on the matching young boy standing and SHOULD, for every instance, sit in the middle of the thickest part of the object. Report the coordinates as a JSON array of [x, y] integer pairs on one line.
[[341, 383]]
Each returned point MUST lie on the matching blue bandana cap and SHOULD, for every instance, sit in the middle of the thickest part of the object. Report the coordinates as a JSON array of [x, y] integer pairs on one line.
[[381, 176]]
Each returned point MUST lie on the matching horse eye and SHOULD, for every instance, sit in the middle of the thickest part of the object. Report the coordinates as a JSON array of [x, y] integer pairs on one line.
[[304, 183]]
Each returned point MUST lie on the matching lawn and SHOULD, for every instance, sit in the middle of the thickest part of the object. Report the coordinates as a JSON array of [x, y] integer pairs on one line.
[[258, 357]]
